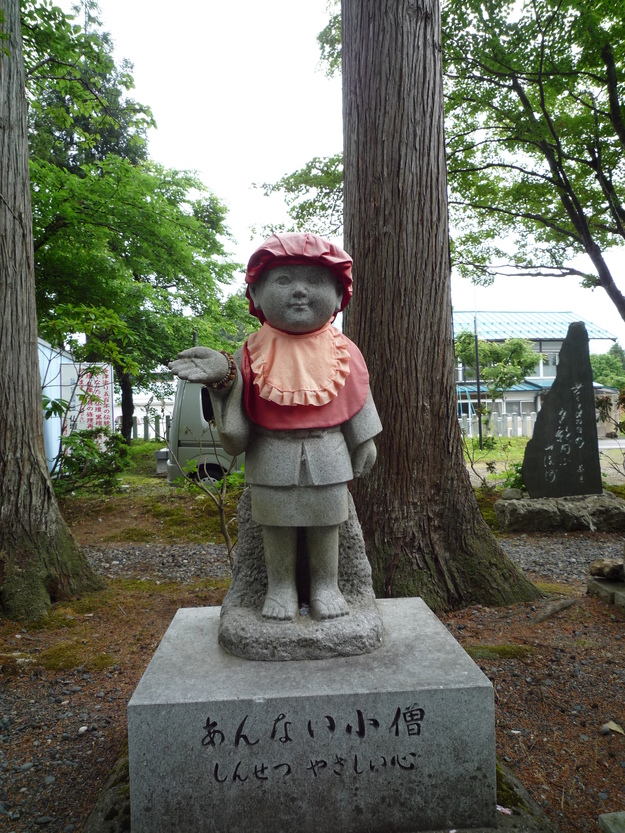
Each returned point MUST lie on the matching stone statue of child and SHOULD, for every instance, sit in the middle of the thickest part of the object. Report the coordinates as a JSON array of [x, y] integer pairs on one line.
[[296, 399]]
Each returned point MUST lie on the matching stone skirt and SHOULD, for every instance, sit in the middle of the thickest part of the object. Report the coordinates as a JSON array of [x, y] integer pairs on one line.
[[300, 505]]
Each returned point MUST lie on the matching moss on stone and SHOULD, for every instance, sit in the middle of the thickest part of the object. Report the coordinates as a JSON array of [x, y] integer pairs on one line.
[[506, 795], [499, 651]]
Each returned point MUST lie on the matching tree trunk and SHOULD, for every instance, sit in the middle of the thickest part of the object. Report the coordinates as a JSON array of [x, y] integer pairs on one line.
[[39, 560], [128, 406], [425, 534]]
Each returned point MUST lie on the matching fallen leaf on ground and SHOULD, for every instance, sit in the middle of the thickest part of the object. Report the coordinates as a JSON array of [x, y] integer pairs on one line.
[[613, 727]]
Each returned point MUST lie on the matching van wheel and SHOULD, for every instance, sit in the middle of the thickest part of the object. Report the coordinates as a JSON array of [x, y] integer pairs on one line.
[[207, 471]]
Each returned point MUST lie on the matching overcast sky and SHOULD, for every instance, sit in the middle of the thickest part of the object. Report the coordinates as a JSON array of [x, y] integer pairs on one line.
[[238, 96]]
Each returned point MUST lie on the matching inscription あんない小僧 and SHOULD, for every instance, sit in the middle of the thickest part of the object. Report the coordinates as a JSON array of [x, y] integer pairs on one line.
[[562, 458], [275, 762]]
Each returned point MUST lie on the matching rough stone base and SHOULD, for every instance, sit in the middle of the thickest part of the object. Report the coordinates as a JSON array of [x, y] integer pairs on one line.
[[401, 739], [111, 813], [612, 822], [245, 633], [595, 513]]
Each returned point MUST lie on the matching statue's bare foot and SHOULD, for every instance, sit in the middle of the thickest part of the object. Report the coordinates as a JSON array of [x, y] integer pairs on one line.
[[281, 606], [329, 604]]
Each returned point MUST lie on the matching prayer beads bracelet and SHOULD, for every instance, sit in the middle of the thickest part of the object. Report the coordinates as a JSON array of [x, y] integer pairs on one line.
[[232, 372]]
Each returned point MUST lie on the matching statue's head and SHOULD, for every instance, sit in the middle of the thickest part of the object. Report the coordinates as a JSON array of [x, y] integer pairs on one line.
[[298, 282]]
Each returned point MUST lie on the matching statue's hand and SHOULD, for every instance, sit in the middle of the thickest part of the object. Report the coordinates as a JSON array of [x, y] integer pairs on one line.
[[200, 364], [363, 458]]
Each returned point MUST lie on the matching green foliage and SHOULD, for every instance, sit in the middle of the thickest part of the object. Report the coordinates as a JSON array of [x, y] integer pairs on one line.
[[535, 134], [494, 451], [54, 407], [514, 476], [231, 327], [79, 111], [141, 456], [127, 237], [107, 336], [314, 196], [607, 370], [329, 40], [91, 458], [114, 231], [502, 364], [617, 351]]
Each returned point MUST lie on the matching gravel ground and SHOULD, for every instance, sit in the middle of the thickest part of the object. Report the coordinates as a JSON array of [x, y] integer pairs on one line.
[[160, 562], [60, 732], [561, 557]]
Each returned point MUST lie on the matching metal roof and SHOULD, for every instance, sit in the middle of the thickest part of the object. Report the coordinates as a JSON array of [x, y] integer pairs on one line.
[[535, 326], [532, 384], [471, 387]]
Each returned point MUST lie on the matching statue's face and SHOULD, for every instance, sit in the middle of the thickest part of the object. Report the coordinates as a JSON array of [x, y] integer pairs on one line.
[[297, 299]]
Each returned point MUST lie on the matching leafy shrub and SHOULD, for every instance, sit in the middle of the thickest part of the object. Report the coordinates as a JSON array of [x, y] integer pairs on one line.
[[92, 458], [514, 476]]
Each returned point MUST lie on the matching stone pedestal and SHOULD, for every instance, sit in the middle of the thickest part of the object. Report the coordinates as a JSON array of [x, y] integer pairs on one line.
[[402, 739]]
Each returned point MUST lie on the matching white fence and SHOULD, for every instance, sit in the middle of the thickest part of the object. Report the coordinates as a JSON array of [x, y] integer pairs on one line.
[[151, 428], [506, 425]]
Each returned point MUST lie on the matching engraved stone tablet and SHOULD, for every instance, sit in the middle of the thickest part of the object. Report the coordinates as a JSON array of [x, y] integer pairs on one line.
[[562, 458]]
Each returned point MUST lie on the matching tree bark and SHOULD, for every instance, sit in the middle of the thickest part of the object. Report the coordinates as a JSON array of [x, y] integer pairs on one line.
[[128, 406], [424, 532], [39, 560]]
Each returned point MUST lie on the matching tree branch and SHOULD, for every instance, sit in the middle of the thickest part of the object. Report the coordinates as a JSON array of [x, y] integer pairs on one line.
[[616, 116]]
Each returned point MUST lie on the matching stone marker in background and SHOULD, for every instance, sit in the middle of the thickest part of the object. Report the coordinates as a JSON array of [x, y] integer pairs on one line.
[[562, 458]]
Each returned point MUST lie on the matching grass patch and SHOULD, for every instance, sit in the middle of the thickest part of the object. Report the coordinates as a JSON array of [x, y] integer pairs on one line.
[[497, 449], [101, 662], [69, 655], [132, 534], [69, 614], [56, 620], [91, 603], [141, 454], [191, 517], [499, 651], [619, 490], [148, 509], [63, 657], [137, 585], [552, 588]]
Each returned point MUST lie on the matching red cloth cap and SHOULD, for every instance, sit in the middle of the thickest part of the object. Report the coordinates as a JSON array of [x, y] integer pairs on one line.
[[299, 249]]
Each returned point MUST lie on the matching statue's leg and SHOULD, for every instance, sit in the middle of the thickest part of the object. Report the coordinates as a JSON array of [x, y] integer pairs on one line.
[[326, 600], [280, 543]]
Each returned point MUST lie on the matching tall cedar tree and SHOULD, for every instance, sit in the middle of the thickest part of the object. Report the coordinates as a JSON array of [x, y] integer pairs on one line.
[[39, 560], [424, 532]]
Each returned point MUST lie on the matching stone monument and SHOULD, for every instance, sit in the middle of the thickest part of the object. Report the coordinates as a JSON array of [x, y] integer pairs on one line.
[[562, 458], [379, 720]]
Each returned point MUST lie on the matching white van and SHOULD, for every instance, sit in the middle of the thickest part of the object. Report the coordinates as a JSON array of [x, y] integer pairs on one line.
[[194, 446]]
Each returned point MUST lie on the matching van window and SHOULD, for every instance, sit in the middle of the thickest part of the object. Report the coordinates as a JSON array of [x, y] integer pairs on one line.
[[207, 406]]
